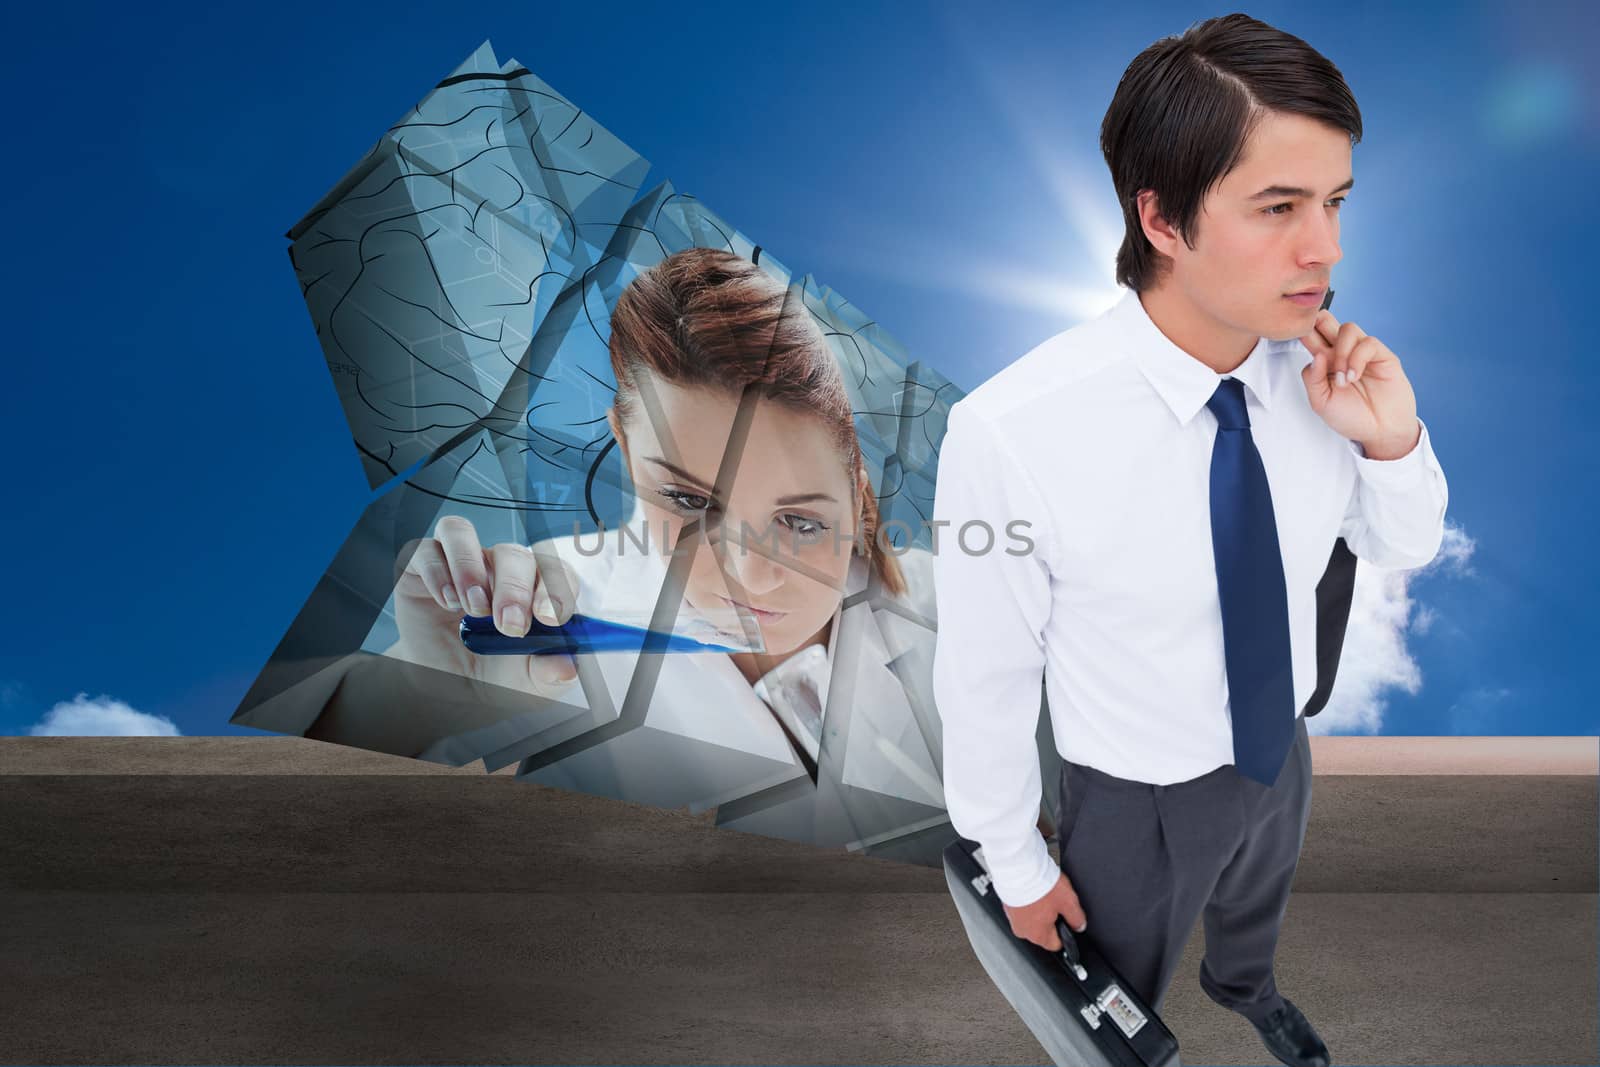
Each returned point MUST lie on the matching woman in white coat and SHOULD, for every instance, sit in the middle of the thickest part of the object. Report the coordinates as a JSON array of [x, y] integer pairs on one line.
[[752, 499]]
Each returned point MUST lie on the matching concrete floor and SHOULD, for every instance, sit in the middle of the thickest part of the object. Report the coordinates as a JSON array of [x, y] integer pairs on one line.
[[278, 900]]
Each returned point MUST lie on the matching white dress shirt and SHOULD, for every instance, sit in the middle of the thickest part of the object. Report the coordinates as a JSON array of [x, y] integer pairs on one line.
[[1101, 439]]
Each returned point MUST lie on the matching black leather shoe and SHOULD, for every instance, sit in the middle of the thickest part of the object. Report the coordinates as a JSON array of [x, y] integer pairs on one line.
[[1288, 1036]]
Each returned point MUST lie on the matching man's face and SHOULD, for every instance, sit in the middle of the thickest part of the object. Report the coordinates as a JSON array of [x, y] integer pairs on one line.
[[1268, 229]]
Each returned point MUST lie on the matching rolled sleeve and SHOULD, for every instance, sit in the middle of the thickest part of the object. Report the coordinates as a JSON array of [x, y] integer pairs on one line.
[[1395, 518], [989, 656]]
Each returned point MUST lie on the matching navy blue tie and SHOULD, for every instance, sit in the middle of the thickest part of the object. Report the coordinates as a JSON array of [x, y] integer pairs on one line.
[[1255, 605]]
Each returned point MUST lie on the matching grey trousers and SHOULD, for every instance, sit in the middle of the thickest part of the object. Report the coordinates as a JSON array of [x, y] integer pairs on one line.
[[1147, 860]]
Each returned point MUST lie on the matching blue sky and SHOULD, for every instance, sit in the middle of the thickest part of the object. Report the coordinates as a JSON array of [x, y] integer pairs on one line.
[[181, 472]]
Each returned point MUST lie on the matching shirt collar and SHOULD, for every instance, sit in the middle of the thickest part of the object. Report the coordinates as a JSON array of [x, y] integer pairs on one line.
[[1183, 381]]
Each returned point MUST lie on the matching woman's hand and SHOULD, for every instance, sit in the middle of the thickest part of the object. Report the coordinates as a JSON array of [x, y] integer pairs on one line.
[[450, 575]]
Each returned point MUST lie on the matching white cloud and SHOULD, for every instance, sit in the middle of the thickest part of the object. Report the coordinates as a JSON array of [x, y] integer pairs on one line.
[[101, 716], [1375, 659], [1455, 553]]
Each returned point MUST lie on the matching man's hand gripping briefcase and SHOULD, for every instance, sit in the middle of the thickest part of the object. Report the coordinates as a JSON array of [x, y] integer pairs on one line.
[[1079, 1008]]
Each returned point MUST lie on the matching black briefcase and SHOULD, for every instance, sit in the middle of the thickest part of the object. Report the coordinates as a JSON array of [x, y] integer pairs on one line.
[[1075, 1003]]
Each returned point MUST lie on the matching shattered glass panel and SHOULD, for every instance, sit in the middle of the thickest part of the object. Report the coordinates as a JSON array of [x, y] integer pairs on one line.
[[461, 280], [901, 408], [430, 266]]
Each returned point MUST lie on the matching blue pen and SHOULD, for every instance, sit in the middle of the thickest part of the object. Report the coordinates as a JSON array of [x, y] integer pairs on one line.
[[580, 633]]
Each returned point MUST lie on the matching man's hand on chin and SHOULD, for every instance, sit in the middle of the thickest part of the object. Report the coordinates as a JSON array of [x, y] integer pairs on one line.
[[1355, 384]]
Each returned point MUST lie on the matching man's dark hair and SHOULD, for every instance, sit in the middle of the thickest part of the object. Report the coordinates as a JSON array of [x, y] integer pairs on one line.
[[1184, 109]]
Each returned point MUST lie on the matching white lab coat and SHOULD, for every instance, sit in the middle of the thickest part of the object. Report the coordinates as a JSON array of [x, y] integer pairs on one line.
[[687, 730]]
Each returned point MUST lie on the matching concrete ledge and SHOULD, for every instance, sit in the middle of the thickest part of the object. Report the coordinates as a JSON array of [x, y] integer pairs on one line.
[[239, 814], [1456, 755], [242, 900], [299, 755]]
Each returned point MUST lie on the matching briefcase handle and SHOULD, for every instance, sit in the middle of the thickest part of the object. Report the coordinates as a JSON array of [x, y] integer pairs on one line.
[[1069, 949]]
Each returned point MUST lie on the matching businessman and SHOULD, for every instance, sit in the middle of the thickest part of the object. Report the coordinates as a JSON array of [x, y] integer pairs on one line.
[[1185, 463]]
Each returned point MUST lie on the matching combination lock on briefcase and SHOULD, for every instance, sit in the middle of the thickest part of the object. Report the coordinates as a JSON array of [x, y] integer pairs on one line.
[[1114, 1003]]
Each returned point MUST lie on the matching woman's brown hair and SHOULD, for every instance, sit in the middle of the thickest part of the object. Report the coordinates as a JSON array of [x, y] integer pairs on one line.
[[703, 317]]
